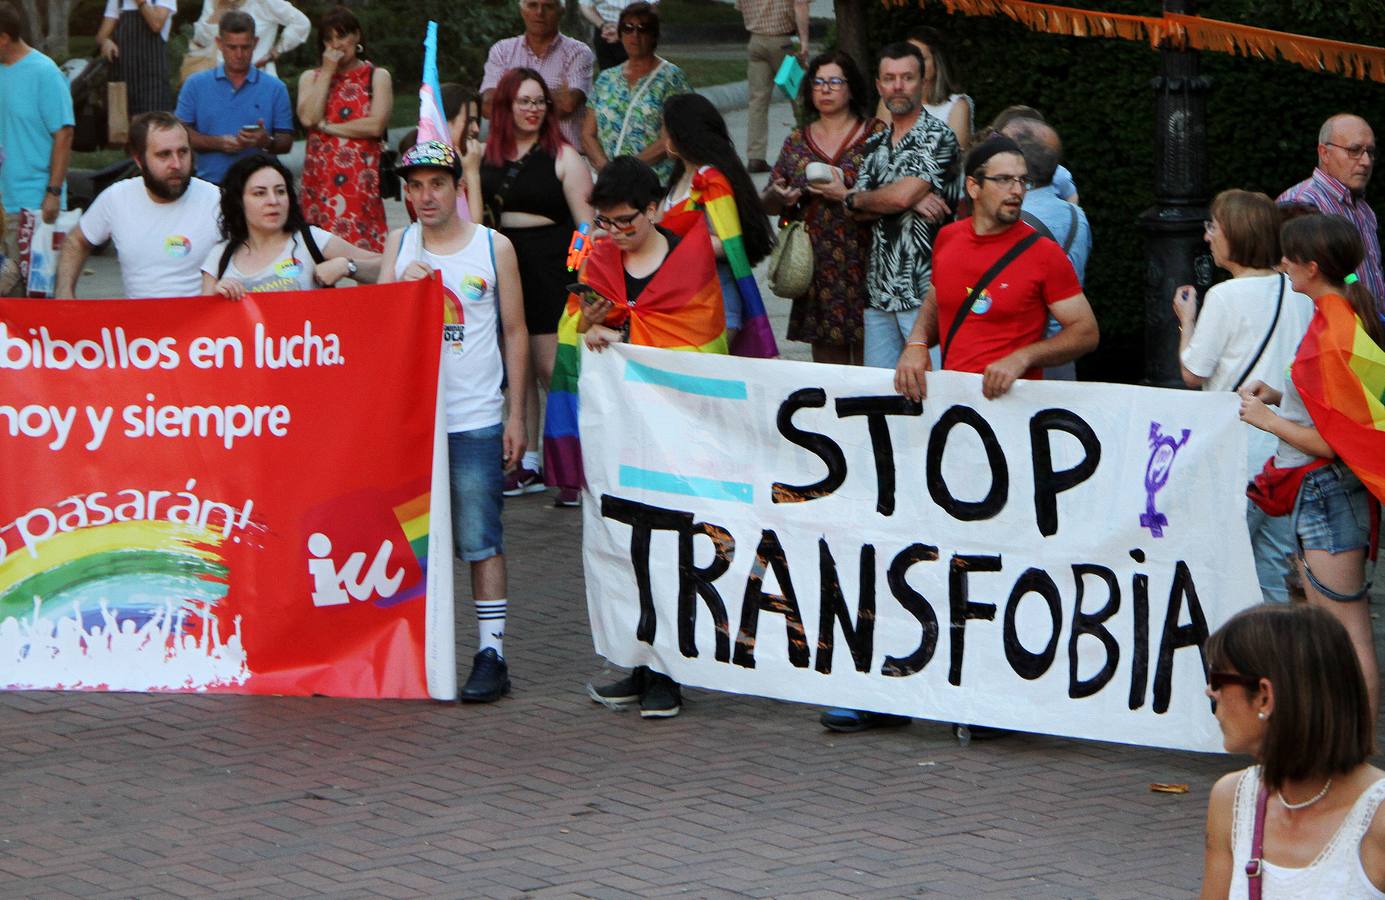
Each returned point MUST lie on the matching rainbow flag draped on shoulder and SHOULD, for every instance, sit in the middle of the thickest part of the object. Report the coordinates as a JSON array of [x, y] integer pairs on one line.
[[680, 309], [711, 192], [1340, 373]]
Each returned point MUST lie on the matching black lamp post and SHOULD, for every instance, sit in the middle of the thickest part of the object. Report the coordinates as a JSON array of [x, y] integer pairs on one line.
[[1174, 249]]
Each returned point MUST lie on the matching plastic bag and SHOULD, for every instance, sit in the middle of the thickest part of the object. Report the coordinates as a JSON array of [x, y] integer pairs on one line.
[[45, 242]]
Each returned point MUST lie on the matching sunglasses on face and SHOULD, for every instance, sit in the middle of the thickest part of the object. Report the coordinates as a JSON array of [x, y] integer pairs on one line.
[[1218, 680], [636, 28], [623, 224]]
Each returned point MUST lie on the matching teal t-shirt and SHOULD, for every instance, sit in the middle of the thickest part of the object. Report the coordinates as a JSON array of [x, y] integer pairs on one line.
[[35, 103]]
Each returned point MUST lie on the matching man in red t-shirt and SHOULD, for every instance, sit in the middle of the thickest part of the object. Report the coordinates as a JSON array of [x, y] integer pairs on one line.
[[1002, 337]]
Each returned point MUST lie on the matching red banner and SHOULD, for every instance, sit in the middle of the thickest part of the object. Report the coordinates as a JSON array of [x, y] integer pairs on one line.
[[209, 495]]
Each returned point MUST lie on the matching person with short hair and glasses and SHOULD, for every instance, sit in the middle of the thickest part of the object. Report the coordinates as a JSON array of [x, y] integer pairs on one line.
[[1287, 690], [1346, 159]]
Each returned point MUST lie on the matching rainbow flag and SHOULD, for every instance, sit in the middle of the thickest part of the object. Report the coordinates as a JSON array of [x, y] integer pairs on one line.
[[711, 193], [412, 516], [680, 309], [1340, 373], [432, 123]]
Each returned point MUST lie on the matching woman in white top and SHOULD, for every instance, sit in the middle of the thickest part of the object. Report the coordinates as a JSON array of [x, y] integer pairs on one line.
[[265, 246], [1247, 331], [1288, 691], [942, 96], [279, 28]]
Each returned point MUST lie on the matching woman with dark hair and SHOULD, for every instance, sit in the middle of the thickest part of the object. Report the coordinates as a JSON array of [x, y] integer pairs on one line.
[[461, 106], [626, 109], [345, 106], [1248, 330], [268, 245], [1287, 690], [942, 95], [1326, 426], [709, 181], [829, 316], [534, 186]]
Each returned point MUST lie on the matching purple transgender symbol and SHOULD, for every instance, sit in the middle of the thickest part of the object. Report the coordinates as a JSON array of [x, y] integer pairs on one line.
[[1163, 448]]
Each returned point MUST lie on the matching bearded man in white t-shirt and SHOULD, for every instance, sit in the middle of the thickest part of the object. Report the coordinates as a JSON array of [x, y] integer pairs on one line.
[[162, 223], [484, 339]]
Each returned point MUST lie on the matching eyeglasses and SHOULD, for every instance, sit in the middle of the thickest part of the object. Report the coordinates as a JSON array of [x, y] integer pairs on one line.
[[828, 84], [531, 102], [1218, 680], [1210, 227], [1355, 151], [636, 28], [1008, 181], [623, 224]]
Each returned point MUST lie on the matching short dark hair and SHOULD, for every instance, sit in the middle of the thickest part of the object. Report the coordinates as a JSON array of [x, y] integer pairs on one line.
[[1041, 156], [900, 50], [11, 25], [454, 97], [859, 100], [640, 10], [337, 21], [1322, 724], [1250, 223], [236, 22], [142, 124], [625, 179]]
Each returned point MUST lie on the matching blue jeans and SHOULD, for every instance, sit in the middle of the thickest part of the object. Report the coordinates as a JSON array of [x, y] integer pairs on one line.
[[1272, 540], [886, 333], [477, 477]]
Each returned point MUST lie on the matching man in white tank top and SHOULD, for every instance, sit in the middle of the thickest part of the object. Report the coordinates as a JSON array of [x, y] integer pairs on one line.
[[483, 301]]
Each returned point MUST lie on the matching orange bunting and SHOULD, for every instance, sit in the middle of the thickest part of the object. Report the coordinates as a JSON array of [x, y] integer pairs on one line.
[[1175, 30]]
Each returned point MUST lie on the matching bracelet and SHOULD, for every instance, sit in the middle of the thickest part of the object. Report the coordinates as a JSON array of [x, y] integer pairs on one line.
[[923, 344]]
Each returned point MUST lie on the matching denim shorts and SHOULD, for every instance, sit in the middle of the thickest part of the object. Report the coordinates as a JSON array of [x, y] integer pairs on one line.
[[1333, 511], [477, 478]]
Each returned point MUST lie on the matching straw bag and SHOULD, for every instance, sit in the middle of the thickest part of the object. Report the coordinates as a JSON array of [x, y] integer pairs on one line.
[[791, 262]]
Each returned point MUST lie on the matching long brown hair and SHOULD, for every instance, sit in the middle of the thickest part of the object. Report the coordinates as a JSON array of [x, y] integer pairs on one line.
[[1335, 245]]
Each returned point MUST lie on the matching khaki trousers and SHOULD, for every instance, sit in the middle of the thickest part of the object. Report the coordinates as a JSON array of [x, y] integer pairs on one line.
[[765, 54]]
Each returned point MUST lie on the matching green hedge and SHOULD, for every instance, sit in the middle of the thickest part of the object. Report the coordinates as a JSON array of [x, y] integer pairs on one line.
[[1262, 123]]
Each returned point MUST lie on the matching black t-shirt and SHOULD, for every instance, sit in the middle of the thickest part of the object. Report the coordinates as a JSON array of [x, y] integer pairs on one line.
[[635, 286]]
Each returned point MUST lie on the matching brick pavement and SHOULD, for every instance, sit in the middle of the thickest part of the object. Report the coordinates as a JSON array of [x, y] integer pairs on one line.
[[547, 794]]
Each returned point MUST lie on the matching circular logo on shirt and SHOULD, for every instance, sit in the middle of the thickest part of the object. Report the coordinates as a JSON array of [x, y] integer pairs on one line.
[[288, 268], [982, 304], [177, 246], [473, 288]]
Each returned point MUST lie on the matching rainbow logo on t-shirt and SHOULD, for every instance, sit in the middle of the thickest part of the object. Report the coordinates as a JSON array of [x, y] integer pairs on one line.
[[473, 287], [982, 304], [288, 268], [177, 246], [452, 322]]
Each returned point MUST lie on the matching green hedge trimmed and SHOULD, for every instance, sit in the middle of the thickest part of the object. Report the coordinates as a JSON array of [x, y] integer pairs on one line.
[[1262, 123]]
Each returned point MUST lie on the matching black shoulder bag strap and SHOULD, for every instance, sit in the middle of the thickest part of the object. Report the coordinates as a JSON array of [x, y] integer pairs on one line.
[[1072, 227], [999, 266], [1278, 305], [1038, 225]]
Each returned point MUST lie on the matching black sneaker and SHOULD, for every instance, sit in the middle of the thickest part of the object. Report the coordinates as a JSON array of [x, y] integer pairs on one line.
[[489, 680], [661, 698], [623, 692], [848, 721]]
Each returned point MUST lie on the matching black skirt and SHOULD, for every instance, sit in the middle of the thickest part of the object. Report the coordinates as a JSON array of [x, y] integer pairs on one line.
[[542, 255]]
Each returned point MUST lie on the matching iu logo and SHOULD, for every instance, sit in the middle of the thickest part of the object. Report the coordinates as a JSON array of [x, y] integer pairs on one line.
[[333, 586]]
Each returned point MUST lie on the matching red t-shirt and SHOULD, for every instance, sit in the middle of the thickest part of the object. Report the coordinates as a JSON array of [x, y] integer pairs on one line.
[[1013, 309]]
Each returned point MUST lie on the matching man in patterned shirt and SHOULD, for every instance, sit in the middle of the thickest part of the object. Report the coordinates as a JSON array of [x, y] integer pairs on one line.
[[910, 166], [1337, 187], [565, 64]]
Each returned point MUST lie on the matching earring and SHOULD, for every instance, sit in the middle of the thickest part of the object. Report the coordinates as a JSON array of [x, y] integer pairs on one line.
[[1260, 716], [360, 48]]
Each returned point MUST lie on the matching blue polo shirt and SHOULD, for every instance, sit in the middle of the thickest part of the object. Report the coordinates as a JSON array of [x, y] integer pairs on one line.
[[210, 105]]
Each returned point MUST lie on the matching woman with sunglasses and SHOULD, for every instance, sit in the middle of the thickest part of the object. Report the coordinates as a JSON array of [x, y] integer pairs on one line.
[[1287, 690], [1326, 430], [535, 186], [829, 316], [626, 111]]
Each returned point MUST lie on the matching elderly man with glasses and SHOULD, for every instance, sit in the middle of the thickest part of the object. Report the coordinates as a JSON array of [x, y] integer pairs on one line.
[[565, 64], [1337, 187]]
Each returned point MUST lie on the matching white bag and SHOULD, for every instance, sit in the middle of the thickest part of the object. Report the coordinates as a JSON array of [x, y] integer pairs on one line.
[[45, 243]]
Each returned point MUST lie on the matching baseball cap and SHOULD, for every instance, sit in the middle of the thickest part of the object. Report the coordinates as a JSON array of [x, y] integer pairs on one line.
[[429, 154]]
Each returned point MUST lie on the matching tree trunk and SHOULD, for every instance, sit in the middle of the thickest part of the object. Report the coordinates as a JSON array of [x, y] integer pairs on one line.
[[851, 33], [32, 22], [59, 12]]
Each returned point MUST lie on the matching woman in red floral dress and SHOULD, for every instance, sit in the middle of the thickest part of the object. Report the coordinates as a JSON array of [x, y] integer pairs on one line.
[[345, 105]]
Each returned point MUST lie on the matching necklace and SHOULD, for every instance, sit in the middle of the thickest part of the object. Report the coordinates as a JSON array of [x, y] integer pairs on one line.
[[1306, 803]]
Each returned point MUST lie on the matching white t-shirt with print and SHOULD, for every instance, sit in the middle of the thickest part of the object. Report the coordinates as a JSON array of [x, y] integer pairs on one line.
[[292, 269], [115, 7], [161, 245]]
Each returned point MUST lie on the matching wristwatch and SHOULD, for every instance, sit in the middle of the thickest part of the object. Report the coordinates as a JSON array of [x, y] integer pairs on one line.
[[350, 267], [849, 201], [56, 191]]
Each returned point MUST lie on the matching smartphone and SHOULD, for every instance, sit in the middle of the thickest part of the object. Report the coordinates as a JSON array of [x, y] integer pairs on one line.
[[585, 292], [250, 128]]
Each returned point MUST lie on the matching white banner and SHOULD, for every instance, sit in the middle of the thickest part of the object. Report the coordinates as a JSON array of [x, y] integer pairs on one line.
[[1050, 561]]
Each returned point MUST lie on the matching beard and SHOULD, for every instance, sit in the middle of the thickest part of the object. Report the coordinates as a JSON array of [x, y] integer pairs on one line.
[[900, 105], [1008, 215], [166, 189]]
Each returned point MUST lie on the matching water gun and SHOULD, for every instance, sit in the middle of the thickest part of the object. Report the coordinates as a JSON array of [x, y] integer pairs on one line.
[[580, 247]]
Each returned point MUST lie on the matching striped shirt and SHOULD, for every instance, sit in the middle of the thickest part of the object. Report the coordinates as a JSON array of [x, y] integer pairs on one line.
[[1332, 197], [568, 63]]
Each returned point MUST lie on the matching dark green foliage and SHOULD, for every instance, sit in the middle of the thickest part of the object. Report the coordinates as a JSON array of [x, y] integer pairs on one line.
[[1262, 124]]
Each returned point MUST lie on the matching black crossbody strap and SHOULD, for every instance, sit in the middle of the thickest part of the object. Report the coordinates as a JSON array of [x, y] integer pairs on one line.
[[1278, 305], [1010, 256]]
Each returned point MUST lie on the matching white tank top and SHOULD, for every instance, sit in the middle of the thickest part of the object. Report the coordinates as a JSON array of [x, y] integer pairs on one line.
[[1336, 873], [471, 362]]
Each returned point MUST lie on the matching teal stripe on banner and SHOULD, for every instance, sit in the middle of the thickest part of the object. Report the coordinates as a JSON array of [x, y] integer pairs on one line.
[[723, 388], [688, 485]]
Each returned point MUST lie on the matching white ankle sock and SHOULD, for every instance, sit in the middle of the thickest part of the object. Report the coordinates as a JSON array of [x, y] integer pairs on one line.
[[490, 622], [531, 460]]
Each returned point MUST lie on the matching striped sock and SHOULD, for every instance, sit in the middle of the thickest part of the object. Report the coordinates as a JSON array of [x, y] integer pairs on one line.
[[490, 621]]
